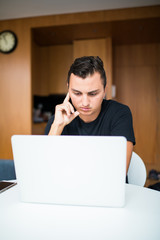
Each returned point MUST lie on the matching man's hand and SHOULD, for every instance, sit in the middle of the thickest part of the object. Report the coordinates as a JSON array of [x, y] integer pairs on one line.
[[64, 114]]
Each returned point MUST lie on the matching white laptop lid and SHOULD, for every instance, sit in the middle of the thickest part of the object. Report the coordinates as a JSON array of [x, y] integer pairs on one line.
[[74, 170]]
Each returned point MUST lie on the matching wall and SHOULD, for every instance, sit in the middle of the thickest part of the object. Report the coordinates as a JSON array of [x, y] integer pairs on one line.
[[137, 77], [49, 69], [101, 48], [15, 89], [16, 68]]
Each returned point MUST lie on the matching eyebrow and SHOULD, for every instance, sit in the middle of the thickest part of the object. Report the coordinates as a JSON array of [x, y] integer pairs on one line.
[[93, 91]]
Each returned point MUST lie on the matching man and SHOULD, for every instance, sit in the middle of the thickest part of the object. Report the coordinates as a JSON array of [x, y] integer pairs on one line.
[[89, 113]]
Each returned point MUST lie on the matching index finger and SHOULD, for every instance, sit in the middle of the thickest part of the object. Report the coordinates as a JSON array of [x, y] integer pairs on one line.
[[67, 98]]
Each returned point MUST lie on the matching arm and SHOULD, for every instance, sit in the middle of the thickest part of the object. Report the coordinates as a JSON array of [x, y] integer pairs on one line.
[[64, 114], [129, 154], [122, 125]]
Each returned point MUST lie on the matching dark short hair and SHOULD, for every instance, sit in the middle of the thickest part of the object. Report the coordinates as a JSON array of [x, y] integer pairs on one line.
[[87, 65]]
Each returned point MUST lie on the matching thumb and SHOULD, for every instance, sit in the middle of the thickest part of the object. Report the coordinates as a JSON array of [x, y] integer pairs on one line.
[[74, 115]]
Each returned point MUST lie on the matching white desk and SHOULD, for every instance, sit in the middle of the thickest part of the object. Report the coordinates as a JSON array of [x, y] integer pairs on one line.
[[138, 220]]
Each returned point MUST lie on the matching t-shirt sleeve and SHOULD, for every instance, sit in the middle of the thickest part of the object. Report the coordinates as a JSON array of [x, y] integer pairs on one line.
[[48, 126], [122, 124]]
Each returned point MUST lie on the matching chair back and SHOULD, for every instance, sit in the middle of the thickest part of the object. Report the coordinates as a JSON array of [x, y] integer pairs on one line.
[[137, 171], [7, 170]]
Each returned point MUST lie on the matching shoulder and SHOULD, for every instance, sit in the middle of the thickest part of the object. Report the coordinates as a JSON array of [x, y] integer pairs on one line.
[[114, 106], [116, 111]]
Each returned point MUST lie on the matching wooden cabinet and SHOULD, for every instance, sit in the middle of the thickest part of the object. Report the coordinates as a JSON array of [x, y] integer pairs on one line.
[[38, 128], [136, 76]]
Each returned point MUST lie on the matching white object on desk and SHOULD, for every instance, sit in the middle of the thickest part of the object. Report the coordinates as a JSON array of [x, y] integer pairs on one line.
[[73, 170], [138, 220]]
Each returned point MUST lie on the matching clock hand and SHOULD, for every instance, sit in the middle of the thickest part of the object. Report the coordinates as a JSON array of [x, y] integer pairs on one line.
[[4, 37]]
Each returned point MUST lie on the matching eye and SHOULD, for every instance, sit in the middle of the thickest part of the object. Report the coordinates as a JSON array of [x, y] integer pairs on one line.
[[92, 94], [77, 93]]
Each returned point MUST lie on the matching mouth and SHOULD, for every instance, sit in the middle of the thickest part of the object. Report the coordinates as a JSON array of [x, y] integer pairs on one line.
[[85, 109]]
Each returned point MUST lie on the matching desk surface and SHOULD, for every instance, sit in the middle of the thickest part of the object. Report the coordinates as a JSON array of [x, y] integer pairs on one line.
[[139, 219]]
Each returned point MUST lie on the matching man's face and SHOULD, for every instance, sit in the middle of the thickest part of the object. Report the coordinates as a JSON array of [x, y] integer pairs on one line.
[[87, 95]]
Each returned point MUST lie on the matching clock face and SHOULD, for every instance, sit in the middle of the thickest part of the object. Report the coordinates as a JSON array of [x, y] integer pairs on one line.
[[8, 41]]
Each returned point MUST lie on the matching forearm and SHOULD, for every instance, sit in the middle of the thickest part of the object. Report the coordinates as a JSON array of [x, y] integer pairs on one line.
[[56, 129], [129, 154]]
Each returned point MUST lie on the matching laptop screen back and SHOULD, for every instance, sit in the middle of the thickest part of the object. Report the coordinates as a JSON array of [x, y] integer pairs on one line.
[[72, 170]]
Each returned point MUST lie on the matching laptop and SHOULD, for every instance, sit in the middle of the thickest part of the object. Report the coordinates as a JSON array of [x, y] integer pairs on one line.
[[71, 170]]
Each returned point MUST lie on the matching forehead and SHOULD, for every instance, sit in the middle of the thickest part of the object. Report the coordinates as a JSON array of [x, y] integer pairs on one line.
[[91, 82]]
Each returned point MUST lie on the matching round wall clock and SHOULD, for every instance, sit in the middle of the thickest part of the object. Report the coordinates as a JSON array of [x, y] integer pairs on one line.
[[8, 41]]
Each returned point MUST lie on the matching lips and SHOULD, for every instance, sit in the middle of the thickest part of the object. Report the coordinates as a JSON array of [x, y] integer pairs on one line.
[[85, 109]]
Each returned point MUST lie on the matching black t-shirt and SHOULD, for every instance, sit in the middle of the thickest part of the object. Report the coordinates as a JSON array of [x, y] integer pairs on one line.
[[115, 119]]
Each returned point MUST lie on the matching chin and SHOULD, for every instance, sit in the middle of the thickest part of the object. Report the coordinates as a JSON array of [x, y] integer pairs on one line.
[[85, 114]]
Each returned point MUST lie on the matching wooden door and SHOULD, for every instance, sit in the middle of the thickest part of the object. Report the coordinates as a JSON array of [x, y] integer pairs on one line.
[[136, 76]]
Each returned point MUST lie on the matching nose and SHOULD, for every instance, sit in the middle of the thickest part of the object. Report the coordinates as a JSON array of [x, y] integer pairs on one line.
[[85, 100]]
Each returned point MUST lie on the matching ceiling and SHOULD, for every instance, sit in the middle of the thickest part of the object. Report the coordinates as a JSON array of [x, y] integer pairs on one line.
[[11, 9], [122, 32]]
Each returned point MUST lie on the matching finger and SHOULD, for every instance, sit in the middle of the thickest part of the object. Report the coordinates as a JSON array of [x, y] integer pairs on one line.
[[67, 98], [71, 107], [66, 101], [74, 115], [68, 109]]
